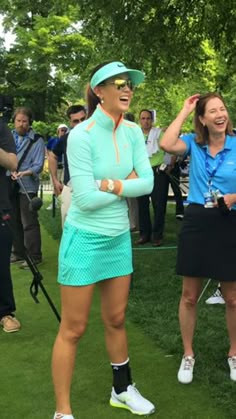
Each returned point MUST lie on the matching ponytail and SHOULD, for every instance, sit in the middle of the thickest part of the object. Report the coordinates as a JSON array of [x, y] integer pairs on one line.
[[92, 100]]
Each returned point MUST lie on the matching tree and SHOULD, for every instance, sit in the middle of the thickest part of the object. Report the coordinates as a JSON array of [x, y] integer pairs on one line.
[[183, 46], [48, 47]]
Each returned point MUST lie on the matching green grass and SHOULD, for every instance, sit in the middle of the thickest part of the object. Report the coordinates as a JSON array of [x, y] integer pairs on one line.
[[154, 345], [154, 307]]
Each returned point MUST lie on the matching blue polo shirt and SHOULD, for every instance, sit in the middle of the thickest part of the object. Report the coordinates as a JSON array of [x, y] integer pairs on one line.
[[225, 177]]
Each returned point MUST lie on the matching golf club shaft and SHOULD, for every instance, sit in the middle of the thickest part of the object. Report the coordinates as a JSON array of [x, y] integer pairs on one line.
[[23, 187]]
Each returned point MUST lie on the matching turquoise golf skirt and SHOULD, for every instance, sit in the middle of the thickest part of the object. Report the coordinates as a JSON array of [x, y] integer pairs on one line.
[[86, 258]]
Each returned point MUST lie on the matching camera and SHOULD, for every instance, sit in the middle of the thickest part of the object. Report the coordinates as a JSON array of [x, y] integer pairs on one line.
[[6, 108]]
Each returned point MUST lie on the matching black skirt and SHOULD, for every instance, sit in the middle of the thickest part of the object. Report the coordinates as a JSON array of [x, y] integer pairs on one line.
[[207, 244]]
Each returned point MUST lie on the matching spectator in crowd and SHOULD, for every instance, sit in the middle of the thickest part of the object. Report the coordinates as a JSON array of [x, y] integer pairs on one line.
[[62, 130], [206, 247], [51, 144], [76, 115], [25, 222], [148, 230], [173, 171], [165, 173], [132, 202], [108, 163], [8, 161]]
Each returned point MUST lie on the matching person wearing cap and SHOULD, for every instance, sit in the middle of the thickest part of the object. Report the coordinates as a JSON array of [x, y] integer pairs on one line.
[[108, 163]]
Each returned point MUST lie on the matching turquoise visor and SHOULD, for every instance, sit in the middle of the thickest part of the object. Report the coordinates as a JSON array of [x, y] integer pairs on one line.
[[113, 69]]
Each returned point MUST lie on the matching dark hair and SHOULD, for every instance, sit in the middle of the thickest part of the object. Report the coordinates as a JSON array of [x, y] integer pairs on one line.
[[129, 116], [75, 109], [92, 99], [147, 110], [25, 111], [202, 131]]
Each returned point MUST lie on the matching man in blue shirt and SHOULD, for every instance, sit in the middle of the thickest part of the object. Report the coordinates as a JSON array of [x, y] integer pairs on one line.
[[62, 130], [25, 222], [76, 115]]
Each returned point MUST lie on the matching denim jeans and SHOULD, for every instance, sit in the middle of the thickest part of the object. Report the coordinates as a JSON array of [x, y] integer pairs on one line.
[[26, 227]]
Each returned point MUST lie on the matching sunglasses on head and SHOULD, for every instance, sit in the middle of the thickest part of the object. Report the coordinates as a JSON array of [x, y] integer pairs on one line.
[[120, 84], [77, 121]]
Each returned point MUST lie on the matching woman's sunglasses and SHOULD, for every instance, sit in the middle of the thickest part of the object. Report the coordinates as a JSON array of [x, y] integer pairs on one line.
[[120, 84]]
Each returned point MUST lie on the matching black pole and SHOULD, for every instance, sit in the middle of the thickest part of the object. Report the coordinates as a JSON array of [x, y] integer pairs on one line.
[[178, 183], [37, 276], [54, 205], [41, 191], [37, 283]]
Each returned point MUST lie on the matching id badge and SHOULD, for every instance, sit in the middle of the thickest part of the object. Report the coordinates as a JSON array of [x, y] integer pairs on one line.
[[209, 200]]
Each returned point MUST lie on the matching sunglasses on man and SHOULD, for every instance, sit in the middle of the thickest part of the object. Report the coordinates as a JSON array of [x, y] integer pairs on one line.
[[77, 121]]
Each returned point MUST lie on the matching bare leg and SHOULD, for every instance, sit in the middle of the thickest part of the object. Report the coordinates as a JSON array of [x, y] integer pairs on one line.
[[76, 303], [229, 293], [114, 299], [188, 310]]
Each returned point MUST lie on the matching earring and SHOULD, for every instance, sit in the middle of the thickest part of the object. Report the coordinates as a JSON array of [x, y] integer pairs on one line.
[[101, 100]]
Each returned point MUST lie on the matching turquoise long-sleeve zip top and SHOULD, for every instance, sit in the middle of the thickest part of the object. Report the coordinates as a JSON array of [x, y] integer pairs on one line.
[[98, 149]]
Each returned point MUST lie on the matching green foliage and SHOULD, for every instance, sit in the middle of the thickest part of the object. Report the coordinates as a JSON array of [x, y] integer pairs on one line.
[[41, 128], [183, 46], [48, 47], [47, 130]]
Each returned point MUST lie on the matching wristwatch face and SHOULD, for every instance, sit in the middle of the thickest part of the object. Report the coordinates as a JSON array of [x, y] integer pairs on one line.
[[110, 186]]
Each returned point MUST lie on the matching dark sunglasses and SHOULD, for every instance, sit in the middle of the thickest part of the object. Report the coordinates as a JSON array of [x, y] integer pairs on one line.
[[120, 84], [77, 121]]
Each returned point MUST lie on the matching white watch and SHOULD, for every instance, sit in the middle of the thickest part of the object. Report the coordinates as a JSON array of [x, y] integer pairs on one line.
[[110, 185]]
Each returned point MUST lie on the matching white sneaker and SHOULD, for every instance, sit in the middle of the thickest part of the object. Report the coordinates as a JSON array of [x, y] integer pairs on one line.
[[232, 366], [132, 400], [185, 373], [62, 416], [216, 298]]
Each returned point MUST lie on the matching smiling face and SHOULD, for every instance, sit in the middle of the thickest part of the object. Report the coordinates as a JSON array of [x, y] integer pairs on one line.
[[215, 117], [114, 96]]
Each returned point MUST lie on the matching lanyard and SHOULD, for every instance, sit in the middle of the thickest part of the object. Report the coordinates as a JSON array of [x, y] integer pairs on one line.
[[211, 173]]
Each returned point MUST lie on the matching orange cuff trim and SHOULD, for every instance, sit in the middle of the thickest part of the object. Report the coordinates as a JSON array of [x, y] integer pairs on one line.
[[120, 187]]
